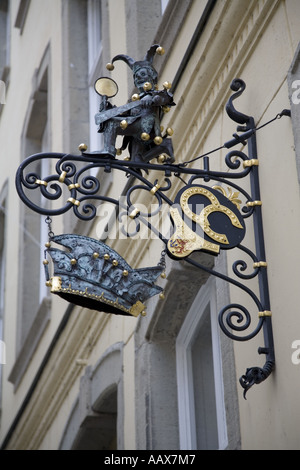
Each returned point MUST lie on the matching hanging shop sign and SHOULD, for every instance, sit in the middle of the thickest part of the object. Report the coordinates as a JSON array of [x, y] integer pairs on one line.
[[208, 213]]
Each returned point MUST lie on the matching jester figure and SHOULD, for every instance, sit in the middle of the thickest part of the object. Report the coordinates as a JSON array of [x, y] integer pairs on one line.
[[139, 121]]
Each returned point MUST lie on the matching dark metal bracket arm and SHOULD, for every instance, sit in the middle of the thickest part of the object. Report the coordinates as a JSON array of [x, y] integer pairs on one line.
[[84, 191]]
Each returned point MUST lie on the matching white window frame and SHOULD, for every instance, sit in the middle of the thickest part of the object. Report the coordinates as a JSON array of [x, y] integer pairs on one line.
[[187, 425], [3, 205], [94, 64]]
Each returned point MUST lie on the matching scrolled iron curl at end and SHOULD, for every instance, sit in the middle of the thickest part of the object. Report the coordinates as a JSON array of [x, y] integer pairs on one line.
[[242, 322]]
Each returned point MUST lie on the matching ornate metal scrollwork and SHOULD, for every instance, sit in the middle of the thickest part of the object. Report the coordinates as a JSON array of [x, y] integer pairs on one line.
[[227, 207]]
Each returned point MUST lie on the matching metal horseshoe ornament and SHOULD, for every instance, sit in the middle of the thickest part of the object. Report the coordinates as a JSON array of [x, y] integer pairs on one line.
[[204, 219]]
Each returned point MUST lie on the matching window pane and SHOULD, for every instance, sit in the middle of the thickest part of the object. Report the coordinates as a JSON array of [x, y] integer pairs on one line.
[[204, 386]]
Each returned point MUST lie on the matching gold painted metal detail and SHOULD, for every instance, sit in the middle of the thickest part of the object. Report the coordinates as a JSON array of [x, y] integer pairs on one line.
[[147, 86], [162, 158], [73, 186], [134, 213], [73, 261], [252, 162], [265, 313], [55, 284], [62, 176], [254, 203], [74, 201], [96, 255], [260, 264], [184, 241], [82, 147], [145, 136], [123, 124], [167, 85], [231, 195], [106, 256], [41, 182], [160, 50], [202, 218], [157, 140], [135, 97], [137, 308], [155, 188]]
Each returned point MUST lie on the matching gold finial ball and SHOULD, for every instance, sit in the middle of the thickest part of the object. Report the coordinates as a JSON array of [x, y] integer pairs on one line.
[[145, 136], [119, 152], [47, 244], [147, 86], [123, 124], [73, 261], [157, 140], [161, 296], [45, 262], [143, 313], [161, 158], [163, 275], [170, 131], [82, 147], [160, 50], [135, 97], [166, 109], [125, 273], [167, 85], [115, 262], [110, 66], [96, 255], [106, 256]]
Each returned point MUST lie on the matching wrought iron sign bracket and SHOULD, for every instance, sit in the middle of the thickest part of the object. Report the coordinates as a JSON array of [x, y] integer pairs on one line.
[[205, 217]]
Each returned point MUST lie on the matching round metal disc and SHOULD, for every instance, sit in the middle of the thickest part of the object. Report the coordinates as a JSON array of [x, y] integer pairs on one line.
[[106, 86]]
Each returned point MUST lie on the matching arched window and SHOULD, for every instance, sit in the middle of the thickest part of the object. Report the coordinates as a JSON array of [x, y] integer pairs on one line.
[[96, 420]]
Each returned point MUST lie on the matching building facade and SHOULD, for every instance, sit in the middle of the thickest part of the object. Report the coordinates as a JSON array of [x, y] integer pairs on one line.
[[76, 378]]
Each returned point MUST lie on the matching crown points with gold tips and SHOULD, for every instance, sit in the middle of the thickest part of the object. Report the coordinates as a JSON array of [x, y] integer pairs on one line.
[[91, 274]]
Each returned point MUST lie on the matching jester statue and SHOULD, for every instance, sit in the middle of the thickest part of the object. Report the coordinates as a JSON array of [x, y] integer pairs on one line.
[[139, 121]]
